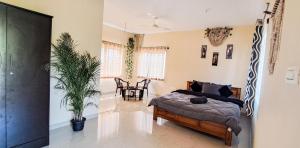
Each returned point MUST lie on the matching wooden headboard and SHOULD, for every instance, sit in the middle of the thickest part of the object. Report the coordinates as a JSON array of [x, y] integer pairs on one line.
[[236, 91]]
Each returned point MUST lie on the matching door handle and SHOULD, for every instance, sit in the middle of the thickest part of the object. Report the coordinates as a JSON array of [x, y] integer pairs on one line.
[[10, 61], [11, 65], [0, 60]]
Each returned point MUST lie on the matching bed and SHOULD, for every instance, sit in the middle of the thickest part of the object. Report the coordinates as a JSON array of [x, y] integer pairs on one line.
[[210, 121]]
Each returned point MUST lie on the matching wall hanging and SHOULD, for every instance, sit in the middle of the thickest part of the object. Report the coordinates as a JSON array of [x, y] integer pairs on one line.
[[277, 17], [217, 35]]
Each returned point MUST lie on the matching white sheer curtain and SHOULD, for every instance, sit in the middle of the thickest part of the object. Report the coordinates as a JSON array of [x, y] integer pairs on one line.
[[111, 60], [151, 63]]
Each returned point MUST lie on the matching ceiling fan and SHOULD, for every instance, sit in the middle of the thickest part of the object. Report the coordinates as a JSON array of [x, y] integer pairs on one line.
[[155, 25]]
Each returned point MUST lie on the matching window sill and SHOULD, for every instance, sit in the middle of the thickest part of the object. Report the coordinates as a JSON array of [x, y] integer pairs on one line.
[[151, 78], [108, 77]]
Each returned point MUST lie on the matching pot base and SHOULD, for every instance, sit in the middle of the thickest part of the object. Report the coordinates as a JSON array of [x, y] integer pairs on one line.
[[78, 125]]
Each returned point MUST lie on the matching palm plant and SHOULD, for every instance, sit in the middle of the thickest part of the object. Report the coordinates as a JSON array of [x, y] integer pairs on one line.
[[76, 73]]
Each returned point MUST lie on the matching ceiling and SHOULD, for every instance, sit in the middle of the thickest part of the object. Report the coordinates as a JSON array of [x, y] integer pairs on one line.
[[137, 16]]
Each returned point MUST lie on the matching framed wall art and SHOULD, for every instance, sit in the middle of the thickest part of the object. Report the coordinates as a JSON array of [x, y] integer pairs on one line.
[[229, 51], [215, 59], [203, 51]]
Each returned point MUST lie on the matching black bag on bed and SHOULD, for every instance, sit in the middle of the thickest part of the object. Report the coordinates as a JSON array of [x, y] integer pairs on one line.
[[199, 100]]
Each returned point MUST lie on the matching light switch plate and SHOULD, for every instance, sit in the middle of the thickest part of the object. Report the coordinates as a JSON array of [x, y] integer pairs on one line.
[[292, 75]]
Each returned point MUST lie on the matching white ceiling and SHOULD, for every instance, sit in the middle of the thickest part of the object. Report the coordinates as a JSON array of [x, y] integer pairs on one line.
[[180, 15]]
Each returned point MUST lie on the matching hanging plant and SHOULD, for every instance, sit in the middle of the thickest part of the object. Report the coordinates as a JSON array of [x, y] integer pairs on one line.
[[129, 58], [217, 35]]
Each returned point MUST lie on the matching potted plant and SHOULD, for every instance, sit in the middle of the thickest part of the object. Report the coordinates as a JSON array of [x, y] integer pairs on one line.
[[129, 58], [76, 74]]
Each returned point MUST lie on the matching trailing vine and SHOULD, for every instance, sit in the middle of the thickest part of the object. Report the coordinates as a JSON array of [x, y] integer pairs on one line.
[[129, 58]]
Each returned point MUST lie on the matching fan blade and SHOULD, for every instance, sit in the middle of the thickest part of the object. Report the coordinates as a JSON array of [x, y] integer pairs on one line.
[[155, 26], [165, 28]]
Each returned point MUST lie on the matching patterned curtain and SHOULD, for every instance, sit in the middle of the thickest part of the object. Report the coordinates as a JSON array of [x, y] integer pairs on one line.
[[253, 70]]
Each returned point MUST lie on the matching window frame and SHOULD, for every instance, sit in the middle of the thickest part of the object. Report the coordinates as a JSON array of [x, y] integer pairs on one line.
[[115, 46], [159, 49]]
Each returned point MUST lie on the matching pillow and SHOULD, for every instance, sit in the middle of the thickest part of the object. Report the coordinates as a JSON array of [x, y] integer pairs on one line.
[[196, 87], [229, 86], [211, 88], [225, 91]]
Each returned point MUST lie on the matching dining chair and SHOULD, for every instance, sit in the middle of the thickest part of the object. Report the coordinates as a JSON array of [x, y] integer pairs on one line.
[[143, 85], [120, 85]]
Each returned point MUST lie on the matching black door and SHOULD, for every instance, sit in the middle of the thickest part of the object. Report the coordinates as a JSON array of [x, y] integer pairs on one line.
[[2, 74], [27, 82]]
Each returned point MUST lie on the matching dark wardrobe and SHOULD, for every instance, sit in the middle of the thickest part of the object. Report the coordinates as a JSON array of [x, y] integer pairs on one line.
[[25, 43]]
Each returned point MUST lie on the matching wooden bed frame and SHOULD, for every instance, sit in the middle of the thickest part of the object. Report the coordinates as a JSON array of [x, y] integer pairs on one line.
[[212, 128]]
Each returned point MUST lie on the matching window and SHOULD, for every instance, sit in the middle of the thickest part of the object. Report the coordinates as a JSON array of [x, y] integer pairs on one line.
[[111, 60], [151, 63]]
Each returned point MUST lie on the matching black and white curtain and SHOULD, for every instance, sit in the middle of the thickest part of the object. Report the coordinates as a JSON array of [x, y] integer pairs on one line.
[[253, 70]]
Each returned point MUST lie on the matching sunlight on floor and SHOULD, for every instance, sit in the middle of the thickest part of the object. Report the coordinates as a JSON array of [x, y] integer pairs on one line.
[[129, 124]]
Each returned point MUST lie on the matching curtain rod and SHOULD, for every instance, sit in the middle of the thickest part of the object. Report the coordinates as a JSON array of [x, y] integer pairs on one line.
[[117, 44], [109, 42], [266, 12], [157, 47]]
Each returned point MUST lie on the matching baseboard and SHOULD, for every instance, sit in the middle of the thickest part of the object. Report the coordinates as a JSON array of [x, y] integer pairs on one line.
[[67, 123], [108, 93]]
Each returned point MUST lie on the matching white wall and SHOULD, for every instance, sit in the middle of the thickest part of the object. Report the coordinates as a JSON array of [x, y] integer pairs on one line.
[[184, 63], [115, 35], [277, 124], [83, 20], [108, 85], [183, 59]]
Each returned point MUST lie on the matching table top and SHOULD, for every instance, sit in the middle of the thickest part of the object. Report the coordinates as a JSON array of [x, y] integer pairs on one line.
[[132, 88]]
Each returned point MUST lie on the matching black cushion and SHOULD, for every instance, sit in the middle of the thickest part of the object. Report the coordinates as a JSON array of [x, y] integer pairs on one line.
[[196, 87], [199, 100], [225, 91], [211, 88]]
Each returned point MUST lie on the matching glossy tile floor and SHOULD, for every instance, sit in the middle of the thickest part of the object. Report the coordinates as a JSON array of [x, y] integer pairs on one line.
[[129, 124]]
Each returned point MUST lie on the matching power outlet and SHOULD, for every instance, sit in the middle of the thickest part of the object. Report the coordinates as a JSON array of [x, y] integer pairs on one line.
[[292, 75]]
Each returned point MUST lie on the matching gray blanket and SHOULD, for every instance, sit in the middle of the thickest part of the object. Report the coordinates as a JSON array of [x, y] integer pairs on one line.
[[225, 113]]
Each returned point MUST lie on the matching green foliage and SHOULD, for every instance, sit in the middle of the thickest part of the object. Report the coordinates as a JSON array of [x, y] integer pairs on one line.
[[129, 58], [76, 73]]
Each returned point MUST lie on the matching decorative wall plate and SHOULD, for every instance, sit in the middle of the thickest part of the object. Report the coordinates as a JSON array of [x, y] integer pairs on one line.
[[217, 35]]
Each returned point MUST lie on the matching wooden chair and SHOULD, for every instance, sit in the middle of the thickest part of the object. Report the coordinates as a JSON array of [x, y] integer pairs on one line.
[[120, 85], [143, 85]]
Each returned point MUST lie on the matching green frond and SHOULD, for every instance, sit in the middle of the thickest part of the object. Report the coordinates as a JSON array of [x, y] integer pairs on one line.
[[76, 73]]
